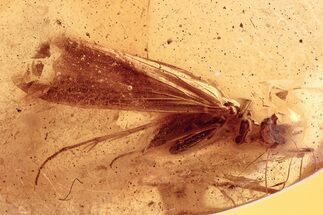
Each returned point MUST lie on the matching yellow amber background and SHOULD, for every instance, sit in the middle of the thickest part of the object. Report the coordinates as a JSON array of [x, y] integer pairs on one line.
[[246, 47]]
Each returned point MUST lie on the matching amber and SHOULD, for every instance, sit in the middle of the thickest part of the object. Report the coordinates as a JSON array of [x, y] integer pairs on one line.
[[268, 53]]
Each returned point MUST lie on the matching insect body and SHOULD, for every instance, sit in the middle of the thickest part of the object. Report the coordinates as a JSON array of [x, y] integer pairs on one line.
[[88, 76]]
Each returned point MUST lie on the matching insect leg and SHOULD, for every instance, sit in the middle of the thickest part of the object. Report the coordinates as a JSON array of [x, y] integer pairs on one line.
[[93, 142], [118, 135], [227, 196], [121, 156], [244, 185], [181, 143], [176, 130], [257, 158], [266, 169], [70, 190], [244, 107], [288, 173]]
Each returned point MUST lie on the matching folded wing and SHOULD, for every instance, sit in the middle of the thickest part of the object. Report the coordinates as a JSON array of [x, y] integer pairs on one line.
[[86, 75]]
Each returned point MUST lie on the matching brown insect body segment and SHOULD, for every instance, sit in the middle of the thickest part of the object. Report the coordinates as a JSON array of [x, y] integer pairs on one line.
[[186, 130], [245, 128], [186, 143]]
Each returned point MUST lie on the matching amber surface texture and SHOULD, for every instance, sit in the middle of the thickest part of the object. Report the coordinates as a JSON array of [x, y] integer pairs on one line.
[[240, 120]]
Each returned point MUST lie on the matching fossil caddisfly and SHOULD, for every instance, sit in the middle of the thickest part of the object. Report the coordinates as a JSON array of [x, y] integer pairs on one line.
[[88, 76]]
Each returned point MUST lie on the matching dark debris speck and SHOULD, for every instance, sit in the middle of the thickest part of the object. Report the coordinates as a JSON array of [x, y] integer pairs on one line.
[[58, 22]]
